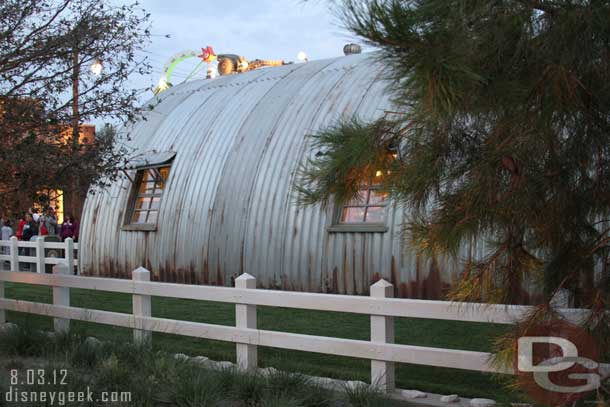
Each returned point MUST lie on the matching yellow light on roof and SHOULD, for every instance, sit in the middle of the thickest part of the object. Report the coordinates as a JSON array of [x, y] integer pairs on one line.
[[163, 85]]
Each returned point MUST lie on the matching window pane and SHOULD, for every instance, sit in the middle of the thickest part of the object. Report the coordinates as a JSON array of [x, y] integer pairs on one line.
[[149, 194], [152, 217], [147, 176], [360, 199], [156, 201], [159, 185], [353, 215], [146, 187], [164, 171], [139, 217], [375, 214], [377, 197], [142, 203]]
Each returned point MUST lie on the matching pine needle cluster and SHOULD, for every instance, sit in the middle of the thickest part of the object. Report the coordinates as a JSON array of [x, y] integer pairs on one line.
[[502, 133]]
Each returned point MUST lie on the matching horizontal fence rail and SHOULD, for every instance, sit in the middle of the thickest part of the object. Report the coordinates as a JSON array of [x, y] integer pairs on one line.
[[392, 307], [381, 349], [39, 253], [450, 358]]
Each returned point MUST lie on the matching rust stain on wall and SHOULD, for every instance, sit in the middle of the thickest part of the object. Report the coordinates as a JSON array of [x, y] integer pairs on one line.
[[229, 205]]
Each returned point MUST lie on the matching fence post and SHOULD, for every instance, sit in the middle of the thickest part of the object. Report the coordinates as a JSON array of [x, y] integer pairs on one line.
[[69, 254], [40, 254], [61, 296], [245, 317], [14, 254], [141, 308], [382, 331]]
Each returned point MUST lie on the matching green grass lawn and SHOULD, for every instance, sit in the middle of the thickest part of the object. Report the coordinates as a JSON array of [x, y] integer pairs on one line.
[[413, 331]]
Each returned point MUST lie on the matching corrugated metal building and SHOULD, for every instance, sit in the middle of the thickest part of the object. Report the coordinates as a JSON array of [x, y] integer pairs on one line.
[[225, 203]]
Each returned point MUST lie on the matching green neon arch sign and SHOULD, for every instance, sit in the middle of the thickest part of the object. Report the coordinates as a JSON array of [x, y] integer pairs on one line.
[[166, 78]]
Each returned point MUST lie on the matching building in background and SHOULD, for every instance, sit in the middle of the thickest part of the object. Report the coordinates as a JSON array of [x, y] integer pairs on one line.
[[65, 199]]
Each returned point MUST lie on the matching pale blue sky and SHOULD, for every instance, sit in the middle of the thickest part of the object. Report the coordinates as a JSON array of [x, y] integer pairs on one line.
[[265, 29]]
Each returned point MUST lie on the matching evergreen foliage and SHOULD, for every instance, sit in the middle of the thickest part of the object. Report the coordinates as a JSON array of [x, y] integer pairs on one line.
[[502, 124]]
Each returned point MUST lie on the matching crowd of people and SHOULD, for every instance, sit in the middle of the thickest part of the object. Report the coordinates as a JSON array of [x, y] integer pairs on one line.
[[33, 224]]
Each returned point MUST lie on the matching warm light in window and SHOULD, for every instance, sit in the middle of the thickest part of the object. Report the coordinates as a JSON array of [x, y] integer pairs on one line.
[[379, 173], [367, 207], [151, 183], [54, 199], [59, 206]]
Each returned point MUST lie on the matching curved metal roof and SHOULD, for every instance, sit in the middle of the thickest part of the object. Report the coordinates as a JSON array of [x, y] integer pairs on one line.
[[229, 205]]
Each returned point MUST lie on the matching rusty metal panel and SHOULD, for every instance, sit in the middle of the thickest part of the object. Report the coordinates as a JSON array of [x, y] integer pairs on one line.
[[229, 206]]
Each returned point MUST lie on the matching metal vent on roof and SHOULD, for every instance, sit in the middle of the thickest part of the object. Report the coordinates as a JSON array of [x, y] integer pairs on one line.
[[351, 48]]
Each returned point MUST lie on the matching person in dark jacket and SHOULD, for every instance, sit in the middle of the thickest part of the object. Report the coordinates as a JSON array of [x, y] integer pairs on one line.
[[69, 228], [30, 229], [30, 232]]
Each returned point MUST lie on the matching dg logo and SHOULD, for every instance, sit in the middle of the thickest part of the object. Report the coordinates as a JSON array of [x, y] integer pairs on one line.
[[557, 363]]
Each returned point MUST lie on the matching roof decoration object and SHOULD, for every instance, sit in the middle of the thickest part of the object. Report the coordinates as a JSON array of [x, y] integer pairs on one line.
[[227, 64]]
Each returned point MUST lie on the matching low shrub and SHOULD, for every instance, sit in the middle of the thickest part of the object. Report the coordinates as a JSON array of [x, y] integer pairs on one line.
[[23, 341], [157, 378], [364, 396]]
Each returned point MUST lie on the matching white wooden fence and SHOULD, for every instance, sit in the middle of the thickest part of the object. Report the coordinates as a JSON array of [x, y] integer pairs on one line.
[[382, 309], [38, 253]]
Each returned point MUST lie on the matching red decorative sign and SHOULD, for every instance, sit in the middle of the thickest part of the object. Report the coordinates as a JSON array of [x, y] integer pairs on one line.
[[207, 54]]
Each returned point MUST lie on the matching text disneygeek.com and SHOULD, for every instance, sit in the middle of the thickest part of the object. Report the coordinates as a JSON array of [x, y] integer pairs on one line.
[[31, 386]]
